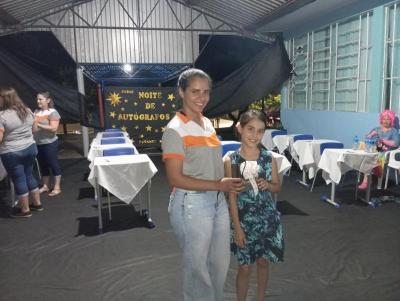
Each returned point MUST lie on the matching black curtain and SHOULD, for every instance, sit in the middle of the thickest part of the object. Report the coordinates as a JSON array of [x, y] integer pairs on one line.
[[28, 82], [262, 75]]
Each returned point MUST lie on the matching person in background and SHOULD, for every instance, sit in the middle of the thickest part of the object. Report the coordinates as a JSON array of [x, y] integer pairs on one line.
[[256, 227], [18, 151], [387, 138], [198, 210], [47, 121]]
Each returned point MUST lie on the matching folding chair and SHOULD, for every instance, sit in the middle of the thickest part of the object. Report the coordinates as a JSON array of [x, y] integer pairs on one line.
[[112, 134], [278, 132], [113, 131], [112, 141], [230, 147], [324, 146]]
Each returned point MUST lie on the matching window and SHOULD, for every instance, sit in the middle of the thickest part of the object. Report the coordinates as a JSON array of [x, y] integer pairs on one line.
[[391, 73], [333, 70]]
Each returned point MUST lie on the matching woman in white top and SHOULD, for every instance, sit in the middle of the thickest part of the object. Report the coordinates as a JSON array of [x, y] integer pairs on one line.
[[47, 120]]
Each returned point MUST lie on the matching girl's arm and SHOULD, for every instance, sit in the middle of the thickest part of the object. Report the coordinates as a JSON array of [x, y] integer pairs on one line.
[[177, 179], [52, 127], [275, 184], [240, 237]]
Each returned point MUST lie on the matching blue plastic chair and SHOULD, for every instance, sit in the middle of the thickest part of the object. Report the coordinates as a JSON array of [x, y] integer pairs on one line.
[[229, 147], [303, 137], [113, 131], [113, 141], [112, 134], [278, 132], [118, 151], [322, 147]]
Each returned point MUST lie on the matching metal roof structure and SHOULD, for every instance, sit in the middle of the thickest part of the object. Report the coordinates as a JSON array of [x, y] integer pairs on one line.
[[158, 32]]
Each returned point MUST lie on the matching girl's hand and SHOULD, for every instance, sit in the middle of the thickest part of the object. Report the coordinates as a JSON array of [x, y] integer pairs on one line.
[[240, 238], [262, 184]]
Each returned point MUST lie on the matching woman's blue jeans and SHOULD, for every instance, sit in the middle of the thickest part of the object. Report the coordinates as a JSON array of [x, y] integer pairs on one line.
[[19, 166], [200, 220], [48, 161]]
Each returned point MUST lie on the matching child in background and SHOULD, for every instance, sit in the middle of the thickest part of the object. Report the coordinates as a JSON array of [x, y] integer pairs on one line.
[[256, 235]]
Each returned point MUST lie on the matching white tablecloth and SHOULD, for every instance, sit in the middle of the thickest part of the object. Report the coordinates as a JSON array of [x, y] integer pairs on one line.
[[122, 176], [335, 162], [283, 142], [267, 139], [307, 153]]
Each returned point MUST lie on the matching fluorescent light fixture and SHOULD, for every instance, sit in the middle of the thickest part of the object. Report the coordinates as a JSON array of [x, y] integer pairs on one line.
[[127, 67]]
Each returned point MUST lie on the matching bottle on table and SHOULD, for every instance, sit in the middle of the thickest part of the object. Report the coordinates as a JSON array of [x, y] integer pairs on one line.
[[356, 142]]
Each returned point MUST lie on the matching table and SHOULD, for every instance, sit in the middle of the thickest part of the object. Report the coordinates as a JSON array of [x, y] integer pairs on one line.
[[124, 177], [307, 154], [283, 142], [335, 162], [267, 139]]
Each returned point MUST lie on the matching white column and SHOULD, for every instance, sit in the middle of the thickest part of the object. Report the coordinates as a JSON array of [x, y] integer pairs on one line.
[[81, 91]]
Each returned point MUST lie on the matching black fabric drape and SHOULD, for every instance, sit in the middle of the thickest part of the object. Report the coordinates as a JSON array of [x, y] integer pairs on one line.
[[28, 82], [262, 75]]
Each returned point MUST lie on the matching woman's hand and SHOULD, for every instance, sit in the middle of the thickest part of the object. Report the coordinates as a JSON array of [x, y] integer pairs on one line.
[[235, 185], [262, 184], [240, 238]]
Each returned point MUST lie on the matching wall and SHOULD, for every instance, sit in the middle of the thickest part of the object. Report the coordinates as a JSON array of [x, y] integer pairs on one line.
[[343, 126]]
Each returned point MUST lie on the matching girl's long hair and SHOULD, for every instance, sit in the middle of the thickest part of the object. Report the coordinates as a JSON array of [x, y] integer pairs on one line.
[[11, 101]]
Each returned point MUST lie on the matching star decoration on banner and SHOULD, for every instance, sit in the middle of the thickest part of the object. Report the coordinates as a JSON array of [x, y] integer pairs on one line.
[[113, 126], [112, 114], [122, 109], [123, 128], [173, 105], [163, 104], [114, 99], [156, 130], [148, 128], [163, 129], [171, 97], [126, 101], [142, 136], [135, 103], [136, 127]]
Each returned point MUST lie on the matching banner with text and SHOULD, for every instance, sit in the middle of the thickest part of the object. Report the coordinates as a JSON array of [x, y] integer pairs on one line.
[[142, 112]]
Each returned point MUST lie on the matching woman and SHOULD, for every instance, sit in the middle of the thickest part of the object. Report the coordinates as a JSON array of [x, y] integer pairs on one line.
[[198, 210], [47, 121], [18, 151], [387, 138]]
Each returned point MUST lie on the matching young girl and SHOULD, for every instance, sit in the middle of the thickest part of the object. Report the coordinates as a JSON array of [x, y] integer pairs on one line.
[[256, 228]]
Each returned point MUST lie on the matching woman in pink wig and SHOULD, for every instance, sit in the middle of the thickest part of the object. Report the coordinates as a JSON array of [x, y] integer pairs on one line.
[[387, 138]]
